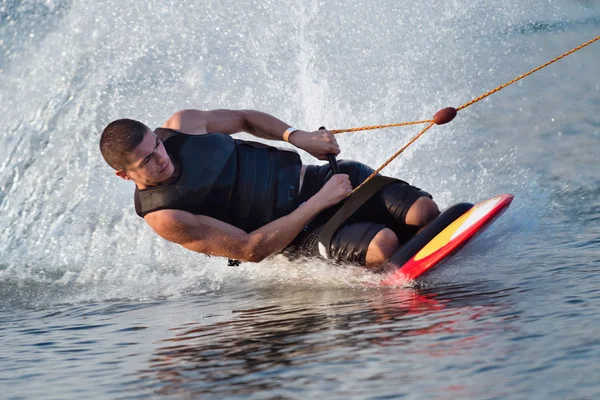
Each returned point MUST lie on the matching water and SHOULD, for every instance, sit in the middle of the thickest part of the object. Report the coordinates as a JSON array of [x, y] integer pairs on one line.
[[94, 304]]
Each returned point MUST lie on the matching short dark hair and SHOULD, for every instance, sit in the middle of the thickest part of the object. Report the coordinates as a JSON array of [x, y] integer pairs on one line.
[[118, 140]]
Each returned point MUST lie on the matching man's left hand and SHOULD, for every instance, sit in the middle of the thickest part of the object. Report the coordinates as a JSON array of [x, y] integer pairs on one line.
[[318, 143]]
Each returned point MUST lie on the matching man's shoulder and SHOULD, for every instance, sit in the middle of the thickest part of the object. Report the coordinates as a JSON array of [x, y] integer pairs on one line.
[[190, 122], [165, 133]]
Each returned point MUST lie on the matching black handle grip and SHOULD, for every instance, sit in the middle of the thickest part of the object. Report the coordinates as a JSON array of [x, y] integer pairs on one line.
[[332, 161], [334, 165]]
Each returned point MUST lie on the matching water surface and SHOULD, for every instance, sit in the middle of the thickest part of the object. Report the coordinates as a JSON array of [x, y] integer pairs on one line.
[[94, 304]]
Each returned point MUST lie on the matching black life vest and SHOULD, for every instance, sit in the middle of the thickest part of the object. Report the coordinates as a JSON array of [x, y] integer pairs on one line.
[[246, 184]]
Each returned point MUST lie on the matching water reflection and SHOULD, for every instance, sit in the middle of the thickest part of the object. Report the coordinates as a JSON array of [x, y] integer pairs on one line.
[[297, 332]]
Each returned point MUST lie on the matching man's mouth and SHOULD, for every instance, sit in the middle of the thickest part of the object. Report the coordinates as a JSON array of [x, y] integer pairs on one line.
[[163, 169]]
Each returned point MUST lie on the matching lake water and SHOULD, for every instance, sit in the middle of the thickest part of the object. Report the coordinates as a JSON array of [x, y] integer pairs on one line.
[[93, 304]]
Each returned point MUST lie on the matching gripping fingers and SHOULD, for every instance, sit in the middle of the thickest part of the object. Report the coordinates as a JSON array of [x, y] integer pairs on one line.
[[335, 149], [333, 144], [345, 184], [330, 137]]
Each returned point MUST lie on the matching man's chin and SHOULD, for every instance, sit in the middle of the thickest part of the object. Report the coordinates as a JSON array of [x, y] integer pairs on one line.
[[166, 174], [169, 171]]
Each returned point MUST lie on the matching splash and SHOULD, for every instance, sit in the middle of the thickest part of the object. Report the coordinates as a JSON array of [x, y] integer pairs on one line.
[[68, 232]]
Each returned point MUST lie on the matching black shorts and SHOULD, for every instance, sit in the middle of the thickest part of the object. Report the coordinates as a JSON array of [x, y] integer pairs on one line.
[[386, 209]]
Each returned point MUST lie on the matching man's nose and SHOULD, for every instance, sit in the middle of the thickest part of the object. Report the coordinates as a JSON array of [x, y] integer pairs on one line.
[[162, 158]]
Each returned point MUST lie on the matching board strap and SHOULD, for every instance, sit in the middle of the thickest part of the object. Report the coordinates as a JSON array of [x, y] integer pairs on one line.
[[350, 206]]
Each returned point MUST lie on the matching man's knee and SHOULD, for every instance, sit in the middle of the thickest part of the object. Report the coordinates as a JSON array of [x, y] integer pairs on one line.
[[382, 247], [422, 212]]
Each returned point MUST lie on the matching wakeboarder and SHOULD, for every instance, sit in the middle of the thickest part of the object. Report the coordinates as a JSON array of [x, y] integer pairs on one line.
[[199, 187]]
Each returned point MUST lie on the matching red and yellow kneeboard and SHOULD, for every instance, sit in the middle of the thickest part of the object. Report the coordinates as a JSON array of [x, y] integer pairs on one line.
[[450, 240]]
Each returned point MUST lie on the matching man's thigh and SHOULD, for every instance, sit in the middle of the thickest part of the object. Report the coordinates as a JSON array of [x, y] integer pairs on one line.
[[389, 206]]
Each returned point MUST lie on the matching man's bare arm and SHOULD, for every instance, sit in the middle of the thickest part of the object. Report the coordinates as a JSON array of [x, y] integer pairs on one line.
[[259, 124], [213, 237], [229, 122]]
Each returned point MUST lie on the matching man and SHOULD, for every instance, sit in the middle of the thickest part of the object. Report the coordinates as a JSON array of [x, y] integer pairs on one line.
[[200, 188]]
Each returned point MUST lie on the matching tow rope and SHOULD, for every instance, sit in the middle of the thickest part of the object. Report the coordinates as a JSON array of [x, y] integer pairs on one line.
[[354, 200], [447, 114]]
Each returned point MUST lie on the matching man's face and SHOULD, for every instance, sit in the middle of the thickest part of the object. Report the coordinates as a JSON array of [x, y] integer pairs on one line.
[[149, 163]]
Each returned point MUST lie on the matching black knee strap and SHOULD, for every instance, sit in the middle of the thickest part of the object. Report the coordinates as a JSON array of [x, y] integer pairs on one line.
[[414, 245], [351, 204]]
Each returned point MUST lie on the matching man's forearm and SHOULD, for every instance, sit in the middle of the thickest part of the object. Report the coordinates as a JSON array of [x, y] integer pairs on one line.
[[268, 127], [265, 126], [276, 235]]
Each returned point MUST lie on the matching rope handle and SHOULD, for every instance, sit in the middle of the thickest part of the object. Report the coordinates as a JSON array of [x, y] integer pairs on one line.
[[332, 161]]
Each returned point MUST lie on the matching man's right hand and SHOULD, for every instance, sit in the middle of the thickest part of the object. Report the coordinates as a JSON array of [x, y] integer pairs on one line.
[[334, 191]]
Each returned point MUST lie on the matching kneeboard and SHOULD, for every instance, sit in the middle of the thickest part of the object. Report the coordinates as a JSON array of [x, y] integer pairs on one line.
[[447, 242]]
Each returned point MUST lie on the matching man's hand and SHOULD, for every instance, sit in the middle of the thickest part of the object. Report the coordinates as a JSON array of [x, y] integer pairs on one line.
[[335, 190], [318, 143]]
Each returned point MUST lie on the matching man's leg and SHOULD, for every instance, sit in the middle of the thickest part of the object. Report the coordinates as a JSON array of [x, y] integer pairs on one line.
[[386, 243], [382, 247], [377, 230], [422, 212], [400, 206], [403, 208]]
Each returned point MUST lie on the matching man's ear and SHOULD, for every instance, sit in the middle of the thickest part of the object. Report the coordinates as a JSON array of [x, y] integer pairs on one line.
[[123, 174]]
